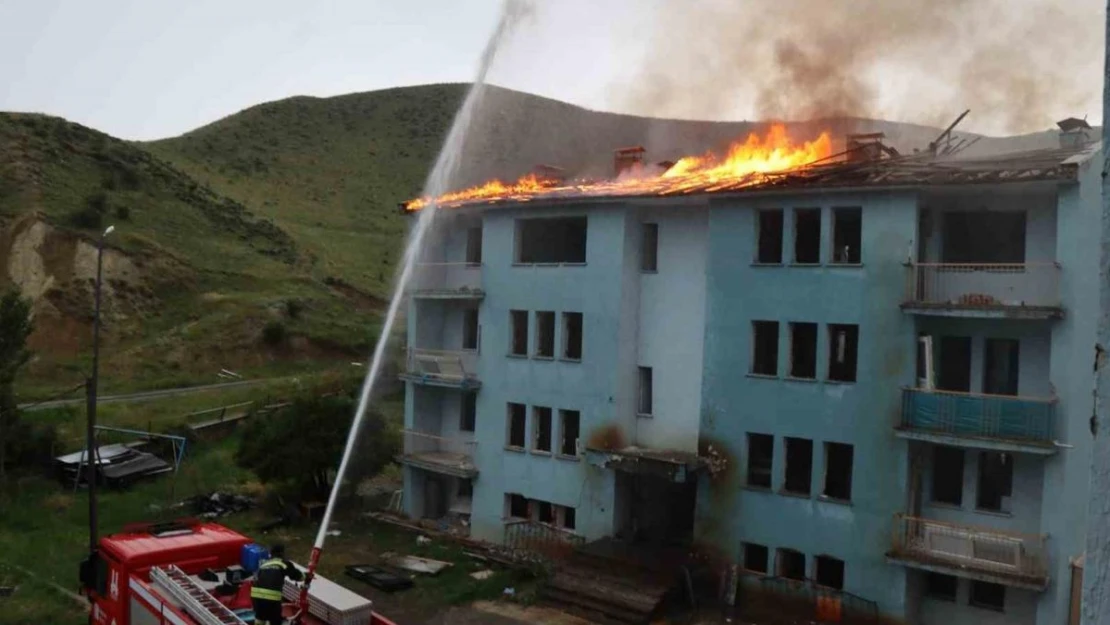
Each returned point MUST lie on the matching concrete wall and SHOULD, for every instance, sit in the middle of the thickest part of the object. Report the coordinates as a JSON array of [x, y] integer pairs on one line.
[[1019, 608], [1067, 474], [672, 328], [863, 413], [591, 386]]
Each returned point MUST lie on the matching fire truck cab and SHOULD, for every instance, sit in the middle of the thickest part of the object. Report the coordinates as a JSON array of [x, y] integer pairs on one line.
[[193, 573]]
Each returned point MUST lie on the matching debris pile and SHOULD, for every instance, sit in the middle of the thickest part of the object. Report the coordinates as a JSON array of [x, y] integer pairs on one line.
[[217, 504]]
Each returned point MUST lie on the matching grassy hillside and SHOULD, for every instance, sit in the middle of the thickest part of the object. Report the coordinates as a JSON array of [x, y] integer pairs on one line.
[[191, 276]]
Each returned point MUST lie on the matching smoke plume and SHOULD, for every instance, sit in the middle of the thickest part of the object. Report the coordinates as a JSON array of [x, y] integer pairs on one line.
[[1018, 64]]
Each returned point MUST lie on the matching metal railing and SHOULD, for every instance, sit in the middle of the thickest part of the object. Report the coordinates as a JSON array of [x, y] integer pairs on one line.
[[972, 414], [447, 278], [541, 539], [984, 285], [768, 598], [422, 443], [1022, 556], [444, 366]]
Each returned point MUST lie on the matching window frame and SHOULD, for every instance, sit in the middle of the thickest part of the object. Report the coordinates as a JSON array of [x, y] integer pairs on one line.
[[641, 393], [509, 427], [649, 233]]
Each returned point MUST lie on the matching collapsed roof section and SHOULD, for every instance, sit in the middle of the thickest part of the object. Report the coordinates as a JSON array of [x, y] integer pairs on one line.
[[880, 169]]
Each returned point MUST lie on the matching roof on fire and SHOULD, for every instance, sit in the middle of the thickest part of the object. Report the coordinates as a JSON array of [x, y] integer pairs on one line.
[[907, 171]]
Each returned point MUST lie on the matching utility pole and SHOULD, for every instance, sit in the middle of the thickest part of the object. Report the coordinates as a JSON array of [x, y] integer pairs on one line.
[[90, 399], [1096, 565]]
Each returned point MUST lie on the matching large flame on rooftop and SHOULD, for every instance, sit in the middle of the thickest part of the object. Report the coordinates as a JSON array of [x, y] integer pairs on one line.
[[747, 163]]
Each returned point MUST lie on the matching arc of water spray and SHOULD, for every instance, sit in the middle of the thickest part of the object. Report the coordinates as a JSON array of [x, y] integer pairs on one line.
[[446, 166]]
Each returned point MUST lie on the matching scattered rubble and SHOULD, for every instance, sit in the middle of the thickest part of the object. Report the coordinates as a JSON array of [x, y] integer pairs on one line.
[[217, 504], [482, 575], [417, 564]]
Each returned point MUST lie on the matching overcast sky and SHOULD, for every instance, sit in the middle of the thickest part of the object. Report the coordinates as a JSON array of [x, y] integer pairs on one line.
[[143, 69]]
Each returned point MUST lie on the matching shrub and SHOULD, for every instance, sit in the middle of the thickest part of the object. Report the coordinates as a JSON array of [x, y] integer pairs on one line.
[[86, 217], [293, 308], [274, 333], [297, 447], [123, 213]]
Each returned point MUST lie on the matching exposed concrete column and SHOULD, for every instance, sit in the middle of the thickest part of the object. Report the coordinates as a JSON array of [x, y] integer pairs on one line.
[[1096, 573]]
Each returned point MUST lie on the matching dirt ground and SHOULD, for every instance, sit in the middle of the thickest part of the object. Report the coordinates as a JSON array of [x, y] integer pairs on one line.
[[503, 613]]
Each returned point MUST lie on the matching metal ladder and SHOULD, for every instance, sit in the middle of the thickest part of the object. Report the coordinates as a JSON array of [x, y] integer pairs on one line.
[[196, 600]]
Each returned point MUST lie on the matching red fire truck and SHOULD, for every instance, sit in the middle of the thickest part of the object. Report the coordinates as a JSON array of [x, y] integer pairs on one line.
[[194, 573]]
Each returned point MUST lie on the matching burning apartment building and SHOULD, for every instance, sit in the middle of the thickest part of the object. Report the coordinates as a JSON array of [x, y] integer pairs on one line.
[[865, 373]]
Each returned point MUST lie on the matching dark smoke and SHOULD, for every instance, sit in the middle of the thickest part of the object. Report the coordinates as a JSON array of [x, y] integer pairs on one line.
[[1018, 64]]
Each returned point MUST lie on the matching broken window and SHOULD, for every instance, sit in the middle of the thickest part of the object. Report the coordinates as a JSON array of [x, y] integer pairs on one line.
[[755, 558], [847, 224], [807, 236], [799, 466], [765, 347], [983, 237], [474, 245], [545, 512], [568, 432], [843, 352], [644, 405], [948, 475], [941, 586], [518, 321], [518, 506], [468, 412], [996, 480], [464, 489], [791, 564], [829, 572], [572, 336], [1000, 366], [518, 418], [545, 334], [551, 240], [803, 350], [649, 248], [761, 452], [569, 518], [987, 595], [838, 471], [541, 429], [470, 328], [769, 249]]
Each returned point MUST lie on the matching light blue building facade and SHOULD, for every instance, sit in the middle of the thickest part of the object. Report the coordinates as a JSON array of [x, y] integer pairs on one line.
[[882, 388]]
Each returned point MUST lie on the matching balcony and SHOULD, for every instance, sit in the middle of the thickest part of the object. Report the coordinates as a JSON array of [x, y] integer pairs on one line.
[[1002, 422], [450, 369], [450, 456], [447, 281], [1009, 291], [974, 552]]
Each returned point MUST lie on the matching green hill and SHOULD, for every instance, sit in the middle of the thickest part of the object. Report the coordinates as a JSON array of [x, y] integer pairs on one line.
[[191, 276]]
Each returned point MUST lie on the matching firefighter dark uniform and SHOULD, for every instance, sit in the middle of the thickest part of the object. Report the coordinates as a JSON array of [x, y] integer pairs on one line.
[[268, 582]]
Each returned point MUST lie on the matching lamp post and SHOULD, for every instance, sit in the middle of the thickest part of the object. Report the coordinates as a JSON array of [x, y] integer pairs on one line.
[[90, 396]]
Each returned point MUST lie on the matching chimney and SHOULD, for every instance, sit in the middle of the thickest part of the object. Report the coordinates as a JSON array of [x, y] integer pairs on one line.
[[1074, 132], [863, 148], [627, 158]]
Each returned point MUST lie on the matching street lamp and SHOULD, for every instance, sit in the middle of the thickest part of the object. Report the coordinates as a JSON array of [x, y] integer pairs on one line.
[[90, 396]]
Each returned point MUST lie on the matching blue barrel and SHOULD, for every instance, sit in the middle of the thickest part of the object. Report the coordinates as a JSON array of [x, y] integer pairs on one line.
[[252, 557]]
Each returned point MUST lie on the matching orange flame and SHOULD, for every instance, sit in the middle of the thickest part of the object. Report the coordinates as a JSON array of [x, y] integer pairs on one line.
[[745, 164]]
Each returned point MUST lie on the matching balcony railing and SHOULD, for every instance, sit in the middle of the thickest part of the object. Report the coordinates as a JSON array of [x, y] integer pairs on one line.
[[445, 367], [984, 286], [1030, 419], [541, 539], [431, 450], [447, 279], [1020, 557], [424, 443]]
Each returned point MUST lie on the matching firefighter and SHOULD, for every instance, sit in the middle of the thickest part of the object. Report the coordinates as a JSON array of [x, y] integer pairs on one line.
[[268, 582]]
